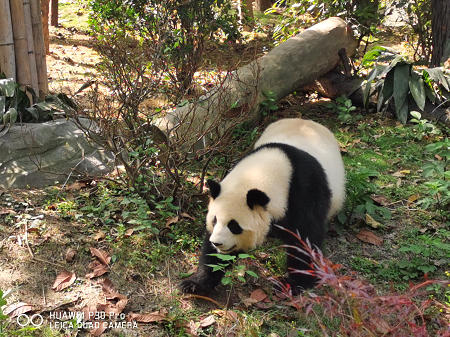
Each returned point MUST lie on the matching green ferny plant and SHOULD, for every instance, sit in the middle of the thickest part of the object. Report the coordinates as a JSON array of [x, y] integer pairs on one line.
[[239, 271]]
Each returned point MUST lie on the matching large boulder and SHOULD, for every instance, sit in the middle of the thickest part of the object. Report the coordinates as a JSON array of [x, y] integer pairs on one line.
[[42, 154]]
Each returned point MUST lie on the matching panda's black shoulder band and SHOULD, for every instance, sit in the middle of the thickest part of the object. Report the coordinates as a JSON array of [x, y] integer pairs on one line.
[[214, 188]]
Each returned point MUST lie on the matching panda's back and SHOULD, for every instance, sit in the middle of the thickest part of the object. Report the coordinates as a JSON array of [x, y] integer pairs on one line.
[[317, 141]]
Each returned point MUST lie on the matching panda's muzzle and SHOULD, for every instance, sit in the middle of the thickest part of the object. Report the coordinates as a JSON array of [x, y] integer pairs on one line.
[[219, 245]]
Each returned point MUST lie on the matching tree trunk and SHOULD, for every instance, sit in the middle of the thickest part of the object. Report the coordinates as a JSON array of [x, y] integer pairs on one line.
[[440, 24], [245, 9], [291, 65], [54, 19], [7, 58], [262, 5]]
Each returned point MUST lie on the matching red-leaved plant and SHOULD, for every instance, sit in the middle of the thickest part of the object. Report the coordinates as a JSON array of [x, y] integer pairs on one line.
[[353, 307]]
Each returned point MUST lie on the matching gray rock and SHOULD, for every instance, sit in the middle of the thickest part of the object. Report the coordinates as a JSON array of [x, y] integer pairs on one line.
[[42, 154]]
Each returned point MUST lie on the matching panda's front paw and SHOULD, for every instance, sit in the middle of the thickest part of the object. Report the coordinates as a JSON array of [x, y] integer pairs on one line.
[[192, 286]]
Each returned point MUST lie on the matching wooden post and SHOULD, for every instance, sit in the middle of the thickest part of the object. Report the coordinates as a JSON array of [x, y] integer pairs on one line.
[[20, 43], [39, 47], [7, 58]]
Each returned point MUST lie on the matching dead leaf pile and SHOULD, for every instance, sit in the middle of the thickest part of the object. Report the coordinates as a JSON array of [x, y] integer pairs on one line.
[[98, 267]]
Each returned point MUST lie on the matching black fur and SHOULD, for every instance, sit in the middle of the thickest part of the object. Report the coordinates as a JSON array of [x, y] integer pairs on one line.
[[234, 227], [308, 203], [204, 280], [256, 197], [214, 188]]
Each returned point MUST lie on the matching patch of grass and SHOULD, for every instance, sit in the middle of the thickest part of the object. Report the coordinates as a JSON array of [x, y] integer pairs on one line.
[[67, 9]]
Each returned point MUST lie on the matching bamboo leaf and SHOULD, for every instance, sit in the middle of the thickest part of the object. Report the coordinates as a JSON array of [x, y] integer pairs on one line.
[[401, 85], [417, 89]]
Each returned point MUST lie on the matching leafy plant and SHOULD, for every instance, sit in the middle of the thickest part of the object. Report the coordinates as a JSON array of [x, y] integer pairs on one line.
[[352, 307], [15, 105], [359, 191], [269, 104], [438, 173], [423, 127], [344, 107], [364, 16], [400, 82], [175, 30], [239, 271]]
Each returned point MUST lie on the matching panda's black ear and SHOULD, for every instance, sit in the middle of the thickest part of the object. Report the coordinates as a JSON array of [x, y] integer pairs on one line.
[[257, 198], [214, 188]]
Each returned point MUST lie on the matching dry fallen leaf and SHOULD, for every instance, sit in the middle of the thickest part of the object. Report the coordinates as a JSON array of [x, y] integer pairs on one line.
[[369, 237], [249, 301], [101, 328], [258, 295], [207, 321], [172, 220], [379, 200], [89, 312], [128, 232], [97, 271], [18, 309], [63, 280], [412, 199], [70, 254], [107, 286], [100, 235], [101, 254], [185, 215], [147, 318], [372, 222]]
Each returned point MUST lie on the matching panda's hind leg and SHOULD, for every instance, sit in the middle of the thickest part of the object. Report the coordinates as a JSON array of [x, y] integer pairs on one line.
[[205, 279]]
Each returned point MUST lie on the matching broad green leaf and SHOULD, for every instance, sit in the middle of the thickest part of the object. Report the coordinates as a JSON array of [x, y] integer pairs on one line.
[[402, 113], [251, 273], [372, 75], [388, 87], [393, 64], [224, 257], [430, 94], [34, 114], [8, 86], [401, 86], [13, 116], [2, 107], [372, 55], [380, 101], [437, 74], [417, 89], [416, 114]]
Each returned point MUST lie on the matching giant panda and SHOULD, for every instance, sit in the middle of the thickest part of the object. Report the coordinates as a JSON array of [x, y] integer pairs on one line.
[[293, 178]]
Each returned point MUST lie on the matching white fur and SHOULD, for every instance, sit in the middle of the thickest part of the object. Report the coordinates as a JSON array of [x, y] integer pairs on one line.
[[320, 143], [260, 170], [270, 170]]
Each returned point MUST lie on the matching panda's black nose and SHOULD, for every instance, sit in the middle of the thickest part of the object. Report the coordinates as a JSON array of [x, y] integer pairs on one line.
[[216, 244]]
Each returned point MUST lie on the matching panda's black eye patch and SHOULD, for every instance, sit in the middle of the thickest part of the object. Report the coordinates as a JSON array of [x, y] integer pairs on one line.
[[214, 221], [234, 227]]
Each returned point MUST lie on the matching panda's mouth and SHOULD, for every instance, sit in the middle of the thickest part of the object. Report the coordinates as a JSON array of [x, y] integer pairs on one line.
[[225, 251]]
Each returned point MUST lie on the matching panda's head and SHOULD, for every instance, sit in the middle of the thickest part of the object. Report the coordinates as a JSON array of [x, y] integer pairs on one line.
[[237, 219]]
